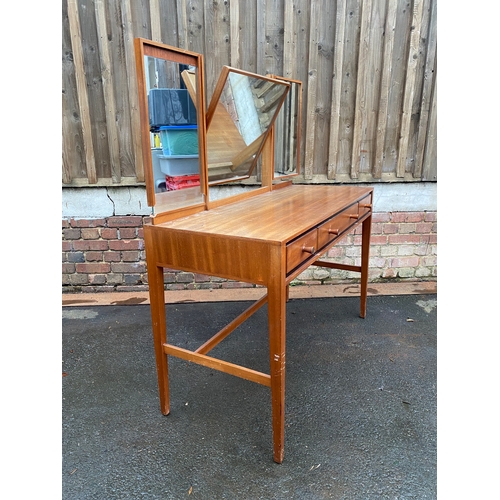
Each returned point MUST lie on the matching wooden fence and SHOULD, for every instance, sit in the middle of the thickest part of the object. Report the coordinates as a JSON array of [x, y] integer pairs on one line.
[[368, 69]]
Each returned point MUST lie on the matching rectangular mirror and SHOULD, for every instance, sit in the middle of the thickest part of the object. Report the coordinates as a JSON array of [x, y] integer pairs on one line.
[[242, 110], [172, 111], [287, 136]]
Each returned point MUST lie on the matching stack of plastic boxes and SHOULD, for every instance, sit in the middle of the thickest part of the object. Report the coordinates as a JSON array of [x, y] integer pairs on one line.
[[179, 161], [173, 117]]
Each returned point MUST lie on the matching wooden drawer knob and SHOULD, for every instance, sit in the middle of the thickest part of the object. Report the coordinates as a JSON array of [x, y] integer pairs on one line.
[[366, 205], [333, 231], [354, 216], [310, 250]]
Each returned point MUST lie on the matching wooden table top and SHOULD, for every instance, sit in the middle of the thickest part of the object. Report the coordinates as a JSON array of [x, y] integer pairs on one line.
[[278, 215]]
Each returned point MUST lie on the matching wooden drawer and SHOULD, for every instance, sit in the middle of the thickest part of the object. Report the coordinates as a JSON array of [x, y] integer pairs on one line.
[[301, 249], [331, 229], [365, 205]]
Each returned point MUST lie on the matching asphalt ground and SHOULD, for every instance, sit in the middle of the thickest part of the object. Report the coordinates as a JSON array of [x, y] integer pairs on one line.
[[361, 403]]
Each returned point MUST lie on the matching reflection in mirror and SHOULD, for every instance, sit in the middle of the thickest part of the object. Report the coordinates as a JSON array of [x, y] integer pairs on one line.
[[174, 131], [287, 133], [242, 110]]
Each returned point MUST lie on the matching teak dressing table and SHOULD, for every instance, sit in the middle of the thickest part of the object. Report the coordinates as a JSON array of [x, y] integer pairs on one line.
[[266, 234]]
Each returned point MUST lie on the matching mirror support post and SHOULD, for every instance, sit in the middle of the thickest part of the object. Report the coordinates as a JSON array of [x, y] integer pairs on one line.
[[268, 159]]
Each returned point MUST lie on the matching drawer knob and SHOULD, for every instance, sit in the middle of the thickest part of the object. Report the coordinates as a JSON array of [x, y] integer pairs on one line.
[[354, 216], [333, 231], [366, 205], [310, 250]]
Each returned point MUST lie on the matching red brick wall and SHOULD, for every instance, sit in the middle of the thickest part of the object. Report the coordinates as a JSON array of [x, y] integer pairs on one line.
[[108, 254]]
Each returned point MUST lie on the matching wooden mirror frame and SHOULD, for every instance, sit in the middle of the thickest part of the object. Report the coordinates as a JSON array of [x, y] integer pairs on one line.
[[246, 153], [149, 48], [173, 204], [294, 92]]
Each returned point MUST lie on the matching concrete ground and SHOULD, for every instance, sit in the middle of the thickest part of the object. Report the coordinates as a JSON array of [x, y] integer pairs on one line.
[[360, 399]]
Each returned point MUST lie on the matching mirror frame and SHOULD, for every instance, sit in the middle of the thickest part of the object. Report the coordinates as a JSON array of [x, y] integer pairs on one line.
[[143, 48], [165, 207], [298, 84], [219, 88]]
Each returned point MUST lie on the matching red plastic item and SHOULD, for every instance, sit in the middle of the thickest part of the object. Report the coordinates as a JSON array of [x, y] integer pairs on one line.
[[181, 181]]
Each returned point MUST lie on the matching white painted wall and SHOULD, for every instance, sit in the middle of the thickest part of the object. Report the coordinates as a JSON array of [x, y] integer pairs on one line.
[[93, 203]]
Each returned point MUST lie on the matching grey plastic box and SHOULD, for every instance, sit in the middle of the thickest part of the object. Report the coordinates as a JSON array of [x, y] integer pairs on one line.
[[174, 165]]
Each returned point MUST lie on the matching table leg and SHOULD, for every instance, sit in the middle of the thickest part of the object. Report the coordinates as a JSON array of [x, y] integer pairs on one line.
[[365, 258], [277, 333], [157, 301]]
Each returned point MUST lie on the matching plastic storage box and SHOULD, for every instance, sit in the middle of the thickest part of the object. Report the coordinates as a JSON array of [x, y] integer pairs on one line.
[[179, 139], [179, 164], [170, 107]]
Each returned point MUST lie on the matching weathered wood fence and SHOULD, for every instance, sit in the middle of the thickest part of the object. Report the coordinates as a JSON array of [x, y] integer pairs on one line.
[[368, 69]]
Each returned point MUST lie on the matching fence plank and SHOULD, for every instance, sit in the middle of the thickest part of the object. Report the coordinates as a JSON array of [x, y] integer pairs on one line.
[[73, 160], [360, 103], [325, 54], [169, 23], [66, 158], [247, 26], [140, 17], [118, 63], [76, 45], [409, 87], [348, 89], [95, 91], [429, 170], [290, 35], [182, 25], [195, 29], [154, 20], [390, 27], [426, 93], [297, 65], [295, 42], [373, 83], [274, 37], [333, 147], [234, 29], [312, 84], [109, 96], [217, 37], [135, 123]]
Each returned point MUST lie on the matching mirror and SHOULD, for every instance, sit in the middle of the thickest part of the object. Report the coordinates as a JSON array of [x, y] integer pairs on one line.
[[170, 98], [173, 126], [242, 110], [194, 160], [287, 134]]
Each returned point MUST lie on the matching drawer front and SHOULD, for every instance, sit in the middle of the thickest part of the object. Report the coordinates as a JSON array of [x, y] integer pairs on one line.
[[365, 205], [300, 250], [330, 230], [333, 227]]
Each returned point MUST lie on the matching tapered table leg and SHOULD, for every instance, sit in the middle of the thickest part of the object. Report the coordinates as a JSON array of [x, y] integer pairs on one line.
[[157, 301], [277, 332], [365, 259]]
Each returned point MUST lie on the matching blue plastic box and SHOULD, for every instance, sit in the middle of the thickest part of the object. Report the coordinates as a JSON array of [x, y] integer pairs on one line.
[[179, 140]]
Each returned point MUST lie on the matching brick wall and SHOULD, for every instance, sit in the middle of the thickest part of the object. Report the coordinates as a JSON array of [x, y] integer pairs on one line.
[[108, 255]]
